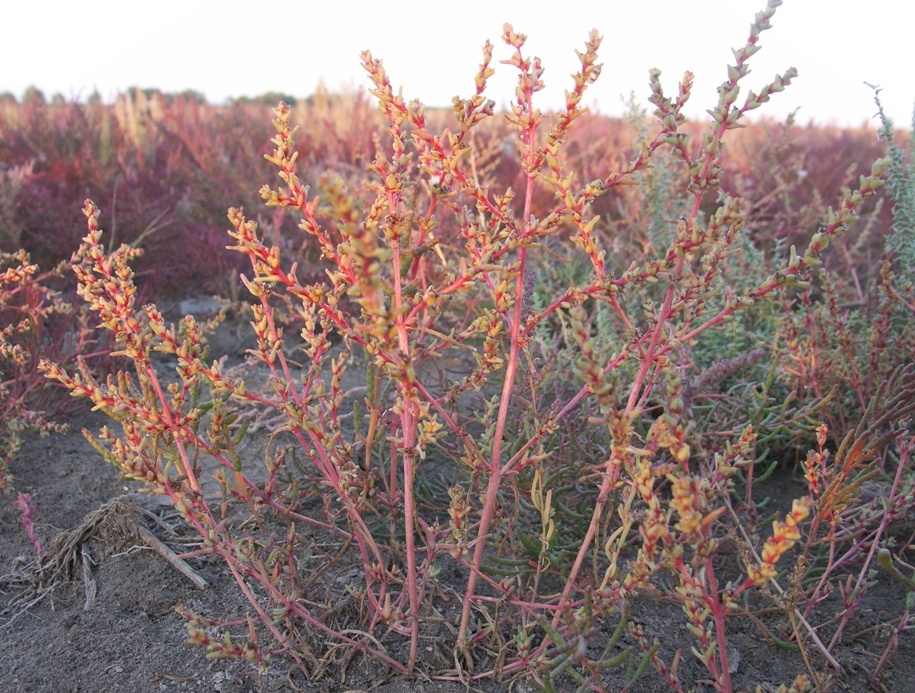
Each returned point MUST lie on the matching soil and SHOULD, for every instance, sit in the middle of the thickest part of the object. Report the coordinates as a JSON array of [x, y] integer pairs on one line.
[[106, 620]]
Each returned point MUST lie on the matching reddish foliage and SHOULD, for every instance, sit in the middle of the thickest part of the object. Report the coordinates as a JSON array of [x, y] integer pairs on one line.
[[166, 169]]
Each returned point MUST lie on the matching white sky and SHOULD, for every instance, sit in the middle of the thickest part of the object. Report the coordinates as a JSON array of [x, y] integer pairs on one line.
[[235, 48]]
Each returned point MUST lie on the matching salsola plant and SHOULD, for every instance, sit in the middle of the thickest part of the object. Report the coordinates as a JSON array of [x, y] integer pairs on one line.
[[516, 509]]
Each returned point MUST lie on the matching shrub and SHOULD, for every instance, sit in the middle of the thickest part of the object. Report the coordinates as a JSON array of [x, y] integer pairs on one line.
[[37, 323], [572, 466]]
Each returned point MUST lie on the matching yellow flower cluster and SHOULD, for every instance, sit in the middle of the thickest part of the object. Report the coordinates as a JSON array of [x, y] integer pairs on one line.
[[784, 536]]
